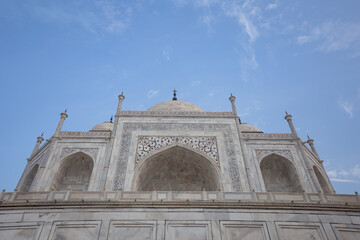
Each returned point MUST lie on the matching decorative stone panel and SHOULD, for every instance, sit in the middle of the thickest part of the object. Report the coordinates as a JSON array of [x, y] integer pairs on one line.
[[149, 144], [244, 230], [80, 230], [300, 230], [129, 127], [132, 230], [194, 230], [90, 151], [177, 113], [84, 134], [37, 178], [266, 136], [20, 230], [261, 153]]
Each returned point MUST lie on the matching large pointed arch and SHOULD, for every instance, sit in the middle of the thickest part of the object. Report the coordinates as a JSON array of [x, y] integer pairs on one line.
[[279, 174], [179, 168], [29, 179], [74, 172], [323, 184]]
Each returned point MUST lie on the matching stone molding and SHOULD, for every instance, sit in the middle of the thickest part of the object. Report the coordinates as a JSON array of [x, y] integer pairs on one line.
[[287, 136], [66, 151], [129, 127], [253, 200], [84, 134], [148, 144], [37, 178], [261, 153], [177, 114], [41, 149]]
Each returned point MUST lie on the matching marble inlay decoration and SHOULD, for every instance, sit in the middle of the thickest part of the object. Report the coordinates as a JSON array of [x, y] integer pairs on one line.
[[177, 113], [90, 151], [261, 153], [129, 127], [84, 134], [268, 136], [149, 144]]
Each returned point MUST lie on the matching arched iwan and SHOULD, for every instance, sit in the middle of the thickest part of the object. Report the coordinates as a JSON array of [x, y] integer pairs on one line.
[[29, 179], [74, 172], [323, 184], [279, 174], [177, 168]]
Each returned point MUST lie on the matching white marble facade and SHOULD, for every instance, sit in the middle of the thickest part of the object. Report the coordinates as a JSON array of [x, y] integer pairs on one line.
[[176, 149]]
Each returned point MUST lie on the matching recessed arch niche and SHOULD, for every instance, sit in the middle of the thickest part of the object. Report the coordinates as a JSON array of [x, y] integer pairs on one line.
[[179, 169], [279, 174], [321, 179], [74, 173], [29, 179]]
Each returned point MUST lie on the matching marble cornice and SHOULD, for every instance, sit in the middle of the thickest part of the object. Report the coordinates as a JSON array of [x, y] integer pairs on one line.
[[180, 204], [176, 114], [267, 136], [75, 134]]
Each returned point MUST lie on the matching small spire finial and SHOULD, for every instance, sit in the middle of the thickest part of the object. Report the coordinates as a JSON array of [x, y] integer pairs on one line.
[[42, 134], [174, 98], [65, 110], [111, 118], [286, 112], [308, 136]]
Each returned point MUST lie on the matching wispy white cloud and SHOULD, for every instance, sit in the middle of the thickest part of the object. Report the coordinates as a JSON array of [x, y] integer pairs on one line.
[[343, 173], [166, 53], [303, 39], [348, 108], [252, 107], [152, 93], [94, 16], [245, 13], [196, 3], [271, 6], [343, 180], [195, 83], [332, 173], [242, 14], [333, 36], [348, 176], [356, 171]]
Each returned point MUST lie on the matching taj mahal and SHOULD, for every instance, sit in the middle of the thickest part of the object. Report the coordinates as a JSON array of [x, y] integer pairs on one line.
[[176, 172]]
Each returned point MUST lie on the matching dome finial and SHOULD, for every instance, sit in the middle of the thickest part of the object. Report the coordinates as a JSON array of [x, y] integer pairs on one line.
[[174, 98]]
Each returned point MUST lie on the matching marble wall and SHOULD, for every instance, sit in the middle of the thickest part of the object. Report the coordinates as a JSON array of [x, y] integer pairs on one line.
[[178, 223]]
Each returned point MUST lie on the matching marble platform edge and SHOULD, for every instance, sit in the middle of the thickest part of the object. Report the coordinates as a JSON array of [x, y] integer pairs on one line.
[[180, 204], [181, 198]]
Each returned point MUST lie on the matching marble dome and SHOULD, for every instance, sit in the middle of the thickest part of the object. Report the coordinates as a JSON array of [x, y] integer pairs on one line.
[[245, 127], [175, 106], [105, 126]]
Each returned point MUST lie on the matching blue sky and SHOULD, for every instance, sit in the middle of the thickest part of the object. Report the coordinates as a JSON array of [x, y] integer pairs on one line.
[[299, 56]]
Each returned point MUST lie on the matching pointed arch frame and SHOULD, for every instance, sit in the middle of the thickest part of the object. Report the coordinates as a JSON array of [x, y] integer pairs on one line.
[[68, 156], [285, 158], [139, 165]]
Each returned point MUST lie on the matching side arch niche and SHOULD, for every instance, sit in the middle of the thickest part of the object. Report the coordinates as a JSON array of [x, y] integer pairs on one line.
[[29, 179], [179, 169], [323, 184], [279, 174], [74, 173]]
